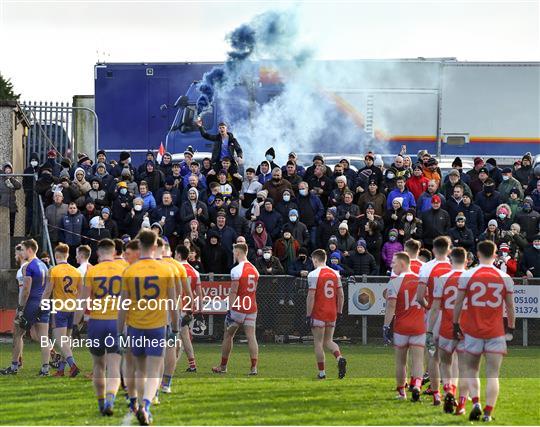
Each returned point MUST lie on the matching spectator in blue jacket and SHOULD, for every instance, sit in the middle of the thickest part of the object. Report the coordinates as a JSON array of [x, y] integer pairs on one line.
[[403, 192], [149, 202], [72, 227], [424, 201], [265, 174], [195, 169]]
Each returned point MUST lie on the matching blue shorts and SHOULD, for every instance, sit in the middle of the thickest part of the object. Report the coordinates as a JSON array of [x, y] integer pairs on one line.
[[141, 344], [63, 319], [33, 313], [103, 335]]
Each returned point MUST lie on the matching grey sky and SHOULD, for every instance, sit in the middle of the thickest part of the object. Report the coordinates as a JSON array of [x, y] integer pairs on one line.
[[48, 48]]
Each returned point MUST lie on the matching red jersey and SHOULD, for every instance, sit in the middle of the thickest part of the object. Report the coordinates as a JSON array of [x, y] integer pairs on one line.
[[409, 315], [416, 265], [194, 277], [325, 282], [247, 277], [428, 272], [485, 288], [445, 290]]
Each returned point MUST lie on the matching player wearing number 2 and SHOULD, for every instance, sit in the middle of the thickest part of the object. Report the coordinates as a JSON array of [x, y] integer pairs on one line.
[[409, 324], [444, 298], [243, 309], [65, 284], [481, 326], [104, 282], [149, 287], [324, 305]]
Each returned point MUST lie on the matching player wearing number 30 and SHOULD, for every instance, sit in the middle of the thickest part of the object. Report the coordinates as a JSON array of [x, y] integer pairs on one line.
[[487, 290], [409, 324], [242, 309], [323, 306], [65, 283], [104, 282]]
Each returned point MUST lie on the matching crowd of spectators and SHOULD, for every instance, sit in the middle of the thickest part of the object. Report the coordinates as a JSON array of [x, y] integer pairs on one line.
[[361, 218]]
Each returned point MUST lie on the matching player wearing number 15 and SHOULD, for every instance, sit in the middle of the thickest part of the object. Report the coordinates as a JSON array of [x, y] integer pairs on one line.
[[324, 304], [103, 282], [487, 290], [242, 309], [149, 286], [409, 324], [65, 283]]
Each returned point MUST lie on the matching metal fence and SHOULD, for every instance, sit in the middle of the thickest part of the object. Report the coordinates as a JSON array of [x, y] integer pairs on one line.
[[281, 302], [53, 126]]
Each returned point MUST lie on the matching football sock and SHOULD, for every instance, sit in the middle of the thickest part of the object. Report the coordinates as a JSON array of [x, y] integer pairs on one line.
[[401, 390], [322, 373], [192, 363], [320, 365], [146, 403], [436, 395], [253, 363], [101, 403], [61, 365], [411, 382], [488, 409], [475, 400], [224, 361], [337, 354], [446, 388], [462, 400], [416, 382], [15, 365], [110, 398], [166, 381], [132, 402], [70, 361], [45, 368], [453, 389]]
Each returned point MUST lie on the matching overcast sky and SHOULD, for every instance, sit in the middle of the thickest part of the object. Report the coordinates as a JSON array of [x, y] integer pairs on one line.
[[48, 48]]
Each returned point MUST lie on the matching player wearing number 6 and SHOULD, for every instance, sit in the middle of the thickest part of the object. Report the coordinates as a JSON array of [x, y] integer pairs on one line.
[[103, 282], [487, 290], [324, 305], [242, 309], [65, 284], [149, 288], [409, 324]]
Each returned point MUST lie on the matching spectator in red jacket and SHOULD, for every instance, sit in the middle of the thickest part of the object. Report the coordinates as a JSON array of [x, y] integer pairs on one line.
[[417, 183]]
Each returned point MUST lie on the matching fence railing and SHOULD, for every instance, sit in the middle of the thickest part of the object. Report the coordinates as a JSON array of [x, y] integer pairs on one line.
[[281, 313]]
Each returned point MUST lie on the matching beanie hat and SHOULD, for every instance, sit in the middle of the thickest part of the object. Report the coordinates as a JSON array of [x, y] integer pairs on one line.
[[436, 199], [124, 155], [271, 152], [293, 212], [492, 222], [106, 210], [344, 225], [504, 247], [393, 232], [399, 200], [361, 242], [457, 162]]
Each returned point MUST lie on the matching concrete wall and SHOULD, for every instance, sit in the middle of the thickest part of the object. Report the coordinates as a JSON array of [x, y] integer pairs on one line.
[[83, 126]]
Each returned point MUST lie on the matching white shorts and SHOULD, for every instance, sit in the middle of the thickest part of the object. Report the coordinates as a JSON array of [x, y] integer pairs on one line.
[[247, 319], [402, 341], [477, 346], [450, 345], [316, 323]]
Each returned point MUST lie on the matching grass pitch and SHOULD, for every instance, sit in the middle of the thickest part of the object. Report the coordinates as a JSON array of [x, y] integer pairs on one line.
[[285, 392]]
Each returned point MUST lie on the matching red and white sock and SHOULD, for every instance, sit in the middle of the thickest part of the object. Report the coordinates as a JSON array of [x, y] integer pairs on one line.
[[192, 364]]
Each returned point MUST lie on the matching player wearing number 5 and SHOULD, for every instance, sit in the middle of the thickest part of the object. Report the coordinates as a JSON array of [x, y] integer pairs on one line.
[[409, 324], [481, 325], [242, 309], [65, 284], [324, 305], [148, 286], [102, 288]]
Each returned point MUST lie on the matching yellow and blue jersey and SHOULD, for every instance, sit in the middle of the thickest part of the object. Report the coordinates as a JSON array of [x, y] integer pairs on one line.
[[105, 283], [145, 280], [66, 281]]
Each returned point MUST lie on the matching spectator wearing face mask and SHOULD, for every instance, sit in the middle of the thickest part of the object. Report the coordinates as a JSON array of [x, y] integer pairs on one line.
[[123, 163], [29, 191], [461, 235], [507, 184], [530, 263], [336, 262], [287, 203], [506, 261], [361, 261], [410, 227], [96, 232], [286, 247], [311, 210], [149, 201], [302, 265], [269, 156], [390, 248], [257, 206], [268, 264], [528, 219], [214, 257], [272, 220], [297, 228], [503, 214], [389, 180], [277, 185], [328, 227], [259, 238], [121, 207], [488, 200], [136, 217]]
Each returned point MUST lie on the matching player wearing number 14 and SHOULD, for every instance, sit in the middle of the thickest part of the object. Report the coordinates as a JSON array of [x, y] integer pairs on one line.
[[65, 283]]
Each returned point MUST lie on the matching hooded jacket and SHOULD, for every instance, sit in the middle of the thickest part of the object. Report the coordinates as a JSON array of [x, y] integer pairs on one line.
[[8, 187]]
